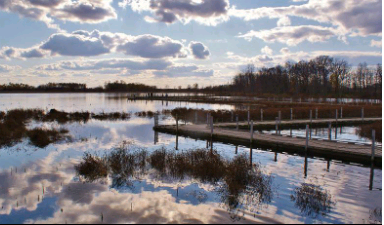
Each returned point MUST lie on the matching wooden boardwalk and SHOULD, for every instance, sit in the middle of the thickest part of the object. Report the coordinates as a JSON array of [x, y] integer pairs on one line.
[[359, 153]]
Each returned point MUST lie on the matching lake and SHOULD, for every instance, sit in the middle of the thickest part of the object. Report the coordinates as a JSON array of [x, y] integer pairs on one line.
[[136, 175]]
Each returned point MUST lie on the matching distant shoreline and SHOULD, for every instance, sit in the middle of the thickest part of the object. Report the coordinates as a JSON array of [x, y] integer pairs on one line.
[[232, 94]]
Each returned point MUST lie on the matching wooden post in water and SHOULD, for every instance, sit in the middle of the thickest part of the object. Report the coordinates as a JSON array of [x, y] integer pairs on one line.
[[237, 122], [211, 127], [196, 117], [341, 113], [373, 146], [177, 124], [336, 116], [261, 113], [291, 114], [330, 131], [310, 116], [251, 131], [277, 125], [306, 138], [317, 114], [279, 117], [249, 116], [231, 116], [207, 119]]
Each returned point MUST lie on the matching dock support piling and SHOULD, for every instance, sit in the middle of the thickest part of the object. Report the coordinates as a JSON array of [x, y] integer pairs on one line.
[[261, 113], [237, 122], [317, 114], [291, 114], [336, 116], [306, 138], [341, 113], [249, 116], [310, 115], [177, 124], [373, 146], [231, 116], [277, 125], [279, 117], [251, 131], [329, 131]]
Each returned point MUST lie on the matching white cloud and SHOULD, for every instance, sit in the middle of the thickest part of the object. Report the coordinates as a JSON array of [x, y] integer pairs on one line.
[[267, 50], [185, 71], [83, 11], [284, 21], [355, 17], [377, 44], [7, 68], [95, 43], [292, 35], [207, 12]]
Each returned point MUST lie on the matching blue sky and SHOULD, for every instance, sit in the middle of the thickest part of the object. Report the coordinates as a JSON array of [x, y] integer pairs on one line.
[[178, 42]]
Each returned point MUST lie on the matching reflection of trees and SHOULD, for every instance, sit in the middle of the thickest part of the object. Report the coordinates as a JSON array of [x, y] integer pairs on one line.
[[239, 184], [312, 200]]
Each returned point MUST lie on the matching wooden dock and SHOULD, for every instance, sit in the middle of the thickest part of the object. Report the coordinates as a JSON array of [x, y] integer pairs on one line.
[[300, 123], [350, 152]]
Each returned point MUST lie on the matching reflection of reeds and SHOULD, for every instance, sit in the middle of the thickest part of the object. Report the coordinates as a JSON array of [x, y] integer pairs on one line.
[[366, 130], [312, 200], [239, 184]]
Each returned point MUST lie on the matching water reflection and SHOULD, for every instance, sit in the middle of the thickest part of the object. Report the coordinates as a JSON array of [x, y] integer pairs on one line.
[[312, 200], [241, 185]]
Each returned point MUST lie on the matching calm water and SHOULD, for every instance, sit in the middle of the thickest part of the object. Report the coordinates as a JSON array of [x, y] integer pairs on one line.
[[42, 185]]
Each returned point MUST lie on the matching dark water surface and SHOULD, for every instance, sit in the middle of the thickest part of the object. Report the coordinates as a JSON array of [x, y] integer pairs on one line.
[[43, 186]]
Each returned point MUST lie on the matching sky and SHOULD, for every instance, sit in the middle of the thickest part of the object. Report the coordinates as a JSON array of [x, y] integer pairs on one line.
[[168, 43]]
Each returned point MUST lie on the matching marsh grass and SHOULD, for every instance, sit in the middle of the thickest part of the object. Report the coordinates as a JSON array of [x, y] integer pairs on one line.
[[366, 130], [92, 168], [42, 137], [13, 125]]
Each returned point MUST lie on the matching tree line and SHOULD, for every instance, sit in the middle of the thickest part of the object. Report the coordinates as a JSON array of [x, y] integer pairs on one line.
[[322, 76]]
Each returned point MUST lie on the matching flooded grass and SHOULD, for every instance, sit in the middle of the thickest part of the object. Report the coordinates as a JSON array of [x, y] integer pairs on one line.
[[42, 138], [240, 184], [92, 168], [13, 125], [366, 131]]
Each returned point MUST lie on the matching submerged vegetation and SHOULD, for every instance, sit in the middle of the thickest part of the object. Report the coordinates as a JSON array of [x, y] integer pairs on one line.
[[240, 184]]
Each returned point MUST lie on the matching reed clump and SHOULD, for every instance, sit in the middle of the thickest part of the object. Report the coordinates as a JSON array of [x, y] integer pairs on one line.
[[92, 168], [366, 130], [43, 137]]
